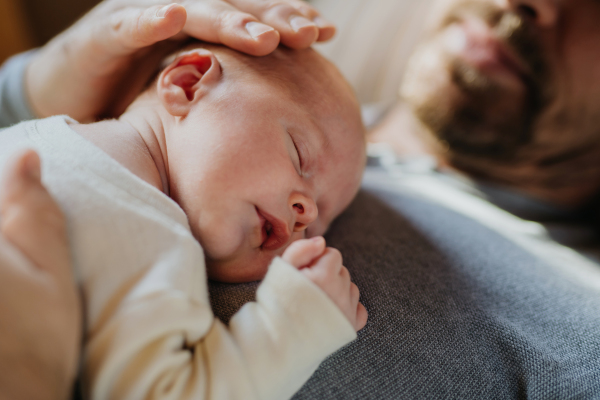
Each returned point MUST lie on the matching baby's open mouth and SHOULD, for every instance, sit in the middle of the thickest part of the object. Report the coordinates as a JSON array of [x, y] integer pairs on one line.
[[275, 232], [267, 230]]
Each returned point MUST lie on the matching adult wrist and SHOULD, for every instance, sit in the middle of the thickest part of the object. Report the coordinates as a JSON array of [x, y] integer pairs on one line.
[[43, 81]]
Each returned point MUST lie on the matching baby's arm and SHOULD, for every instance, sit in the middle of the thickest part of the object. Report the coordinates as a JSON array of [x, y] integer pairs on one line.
[[323, 266], [169, 346], [297, 322]]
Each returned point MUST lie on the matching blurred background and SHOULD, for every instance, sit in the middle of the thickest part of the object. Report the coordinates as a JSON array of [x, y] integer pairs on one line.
[[25, 24]]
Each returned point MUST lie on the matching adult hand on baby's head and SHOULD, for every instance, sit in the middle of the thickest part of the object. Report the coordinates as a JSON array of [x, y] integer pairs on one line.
[[324, 267], [83, 71], [40, 317]]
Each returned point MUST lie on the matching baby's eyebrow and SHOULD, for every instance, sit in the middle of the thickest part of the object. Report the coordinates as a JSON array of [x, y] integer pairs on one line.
[[322, 137]]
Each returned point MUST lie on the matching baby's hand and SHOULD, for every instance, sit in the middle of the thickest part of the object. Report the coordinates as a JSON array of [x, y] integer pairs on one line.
[[323, 266]]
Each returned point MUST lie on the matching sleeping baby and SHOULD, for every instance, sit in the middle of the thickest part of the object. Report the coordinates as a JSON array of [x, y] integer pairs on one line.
[[211, 173]]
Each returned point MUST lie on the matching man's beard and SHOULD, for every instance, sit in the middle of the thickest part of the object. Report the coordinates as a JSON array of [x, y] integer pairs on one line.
[[482, 119]]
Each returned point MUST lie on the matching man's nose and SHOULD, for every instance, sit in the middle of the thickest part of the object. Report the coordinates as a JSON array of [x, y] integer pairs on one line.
[[304, 209], [543, 13]]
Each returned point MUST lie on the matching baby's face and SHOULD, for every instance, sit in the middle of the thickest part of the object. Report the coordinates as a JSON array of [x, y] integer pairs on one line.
[[261, 161]]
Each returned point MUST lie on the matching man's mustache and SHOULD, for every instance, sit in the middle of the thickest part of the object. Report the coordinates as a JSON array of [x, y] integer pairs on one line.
[[516, 32], [520, 36]]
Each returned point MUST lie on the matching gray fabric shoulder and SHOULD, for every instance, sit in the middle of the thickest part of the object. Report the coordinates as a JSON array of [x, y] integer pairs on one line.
[[14, 105]]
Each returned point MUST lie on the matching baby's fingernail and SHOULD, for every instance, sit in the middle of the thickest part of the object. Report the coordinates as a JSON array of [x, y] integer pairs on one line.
[[298, 23], [317, 239], [322, 22], [163, 11], [255, 29]]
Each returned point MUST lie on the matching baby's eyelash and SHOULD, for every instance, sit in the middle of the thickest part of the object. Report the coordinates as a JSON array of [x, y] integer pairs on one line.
[[298, 152]]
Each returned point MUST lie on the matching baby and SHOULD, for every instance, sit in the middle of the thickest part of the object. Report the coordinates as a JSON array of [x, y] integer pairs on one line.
[[213, 171]]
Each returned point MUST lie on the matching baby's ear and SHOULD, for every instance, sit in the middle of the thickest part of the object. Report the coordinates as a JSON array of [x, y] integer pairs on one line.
[[187, 79]]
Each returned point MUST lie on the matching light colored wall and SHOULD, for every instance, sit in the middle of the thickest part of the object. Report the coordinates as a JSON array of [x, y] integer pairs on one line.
[[373, 42]]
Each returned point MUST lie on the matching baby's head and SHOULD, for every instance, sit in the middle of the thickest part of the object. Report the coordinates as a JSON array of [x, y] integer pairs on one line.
[[260, 151]]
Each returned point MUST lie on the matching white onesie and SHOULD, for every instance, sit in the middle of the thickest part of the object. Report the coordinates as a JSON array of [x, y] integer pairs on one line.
[[149, 329]]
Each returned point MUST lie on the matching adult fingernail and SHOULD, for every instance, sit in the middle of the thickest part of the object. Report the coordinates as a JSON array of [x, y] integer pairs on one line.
[[163, 11], [255, 29], [322, 22], [317, 239], [298, 23]]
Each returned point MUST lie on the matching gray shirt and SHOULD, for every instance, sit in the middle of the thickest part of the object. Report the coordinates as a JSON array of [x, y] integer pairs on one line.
[[14, 105]]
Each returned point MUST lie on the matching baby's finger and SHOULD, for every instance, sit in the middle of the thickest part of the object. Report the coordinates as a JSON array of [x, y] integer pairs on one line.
[[361, 317], [31, 220], [302, 252], [217, 21], [354, 293], [331, 264]]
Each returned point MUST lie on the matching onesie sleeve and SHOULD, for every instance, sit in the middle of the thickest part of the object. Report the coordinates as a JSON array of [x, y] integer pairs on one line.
[[270, 349], [14, 105]]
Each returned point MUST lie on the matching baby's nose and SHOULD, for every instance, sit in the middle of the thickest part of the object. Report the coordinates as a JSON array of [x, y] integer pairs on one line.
[[305, 212]]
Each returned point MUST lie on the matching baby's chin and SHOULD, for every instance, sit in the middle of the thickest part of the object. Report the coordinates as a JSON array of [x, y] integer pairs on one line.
[[244, 268]]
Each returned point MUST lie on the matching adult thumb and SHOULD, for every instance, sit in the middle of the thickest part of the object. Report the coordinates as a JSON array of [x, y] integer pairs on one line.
[[132, 29], [31, 219]]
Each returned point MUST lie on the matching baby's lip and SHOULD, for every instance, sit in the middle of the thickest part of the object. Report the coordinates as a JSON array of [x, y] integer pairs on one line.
[[275, 232]]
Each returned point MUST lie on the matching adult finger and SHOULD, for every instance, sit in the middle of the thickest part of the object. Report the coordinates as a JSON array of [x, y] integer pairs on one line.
[[219, 22], [361, 315], [346, 282], [31, 220], [130, 29], [299, 24], [303, 252]]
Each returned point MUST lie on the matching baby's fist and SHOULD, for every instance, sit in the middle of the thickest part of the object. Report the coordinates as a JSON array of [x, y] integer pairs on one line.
[[323, 266]]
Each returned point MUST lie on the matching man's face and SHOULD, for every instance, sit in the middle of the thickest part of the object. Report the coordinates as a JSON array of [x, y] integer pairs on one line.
[[261, 162], [511, 82]]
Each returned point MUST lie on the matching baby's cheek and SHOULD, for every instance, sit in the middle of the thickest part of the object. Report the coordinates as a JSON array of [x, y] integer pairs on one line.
[[220, 241], [317, 228]]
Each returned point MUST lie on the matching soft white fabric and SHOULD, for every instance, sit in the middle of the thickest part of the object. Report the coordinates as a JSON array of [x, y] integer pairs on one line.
[[150, 332], [373, 43]]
